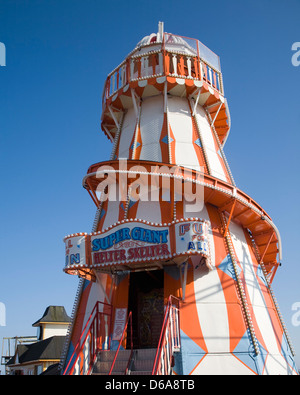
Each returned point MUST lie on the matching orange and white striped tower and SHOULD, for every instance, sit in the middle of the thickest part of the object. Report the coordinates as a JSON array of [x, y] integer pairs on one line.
[[176, 246]]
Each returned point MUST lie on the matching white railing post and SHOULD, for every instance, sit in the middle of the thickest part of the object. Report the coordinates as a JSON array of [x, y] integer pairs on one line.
[[123, 75], [172, 329], [168, 353], [210, 75], [177, 328], [145, 66], [189, 66], [105, 347], [132, 69], [75, 370], [113, 83], [174, 60], [86, 356], [161, 63]]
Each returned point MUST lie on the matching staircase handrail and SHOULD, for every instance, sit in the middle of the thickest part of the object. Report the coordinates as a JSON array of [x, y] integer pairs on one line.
[[129, 319], [169, 341], [88, 330]]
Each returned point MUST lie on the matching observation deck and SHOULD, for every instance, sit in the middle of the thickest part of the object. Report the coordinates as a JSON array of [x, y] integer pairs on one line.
[[171, 64]]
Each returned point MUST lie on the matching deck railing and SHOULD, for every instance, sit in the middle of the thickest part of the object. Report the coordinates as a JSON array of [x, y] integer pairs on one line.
[[169, 341], [162, 62]]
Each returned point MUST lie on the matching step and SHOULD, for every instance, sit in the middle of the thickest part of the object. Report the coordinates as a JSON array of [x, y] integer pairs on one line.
[[106, 373], [143, 360], [109, 355], [120, 366], [146, 353], [141, 372], [143, 364]]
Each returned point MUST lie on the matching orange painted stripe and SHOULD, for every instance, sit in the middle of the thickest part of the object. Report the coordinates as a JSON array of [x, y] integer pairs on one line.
[[172, 145], [267, 297], [188, 313], [197, 148], [236, 322], [164, 146]]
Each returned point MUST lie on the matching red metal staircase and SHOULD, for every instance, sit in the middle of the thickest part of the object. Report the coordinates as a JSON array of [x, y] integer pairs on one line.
[[93, 356]]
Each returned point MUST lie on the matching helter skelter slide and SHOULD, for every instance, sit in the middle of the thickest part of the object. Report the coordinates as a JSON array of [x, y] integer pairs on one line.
[[175, 277]]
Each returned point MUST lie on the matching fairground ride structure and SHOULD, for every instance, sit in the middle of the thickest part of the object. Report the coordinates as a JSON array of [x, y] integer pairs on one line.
[[175, 277]]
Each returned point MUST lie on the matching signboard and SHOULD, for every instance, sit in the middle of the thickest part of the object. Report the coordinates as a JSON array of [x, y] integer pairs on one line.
[[76, 250], [119, 323], [192, 236], [129, 242]]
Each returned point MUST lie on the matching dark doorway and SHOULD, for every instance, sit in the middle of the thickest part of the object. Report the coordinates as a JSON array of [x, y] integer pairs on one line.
[[146, 301]]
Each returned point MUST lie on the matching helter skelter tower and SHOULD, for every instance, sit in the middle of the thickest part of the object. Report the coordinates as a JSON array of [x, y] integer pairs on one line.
[[176, 275]]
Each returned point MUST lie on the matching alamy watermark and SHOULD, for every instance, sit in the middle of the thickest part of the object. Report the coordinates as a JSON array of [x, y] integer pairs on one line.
[[296, 56], [2, 314], [158, 183], [296, 315], [2, 54]]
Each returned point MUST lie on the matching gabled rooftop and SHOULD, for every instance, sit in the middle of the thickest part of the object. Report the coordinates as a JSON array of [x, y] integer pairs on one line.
[[48, 349], [53, 314]]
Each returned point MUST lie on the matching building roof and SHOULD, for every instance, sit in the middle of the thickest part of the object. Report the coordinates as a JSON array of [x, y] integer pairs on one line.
[[52, 370], [53, 314], [47, 349]]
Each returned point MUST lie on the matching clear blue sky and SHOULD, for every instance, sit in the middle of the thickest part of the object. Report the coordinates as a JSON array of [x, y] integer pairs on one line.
[[59, 53]]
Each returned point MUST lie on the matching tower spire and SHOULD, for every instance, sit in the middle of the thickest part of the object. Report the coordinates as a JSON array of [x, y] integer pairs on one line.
[[160, 31]]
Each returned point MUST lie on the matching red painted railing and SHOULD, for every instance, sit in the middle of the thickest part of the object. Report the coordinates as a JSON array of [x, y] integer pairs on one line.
[[169, 341], [161, 63], [200, 63], [94, 337], [129, 320]]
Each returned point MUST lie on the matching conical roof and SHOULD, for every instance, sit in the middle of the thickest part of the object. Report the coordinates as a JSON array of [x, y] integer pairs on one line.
[[53, 314]]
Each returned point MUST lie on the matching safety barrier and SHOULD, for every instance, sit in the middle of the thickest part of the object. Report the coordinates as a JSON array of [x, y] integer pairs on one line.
[[129, 320], [161, 63], [169, 341]]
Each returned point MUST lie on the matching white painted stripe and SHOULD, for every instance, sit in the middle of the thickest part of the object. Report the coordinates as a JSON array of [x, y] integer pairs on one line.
[[127, 132], [112, 215], [209, 144], [221, 364], [96, 294], [211, 302], [181, 124], [275, 364], [151, 122], [149, 211]]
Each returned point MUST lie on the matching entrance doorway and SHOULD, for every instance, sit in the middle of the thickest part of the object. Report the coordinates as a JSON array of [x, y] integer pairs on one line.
[[146, 301]]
